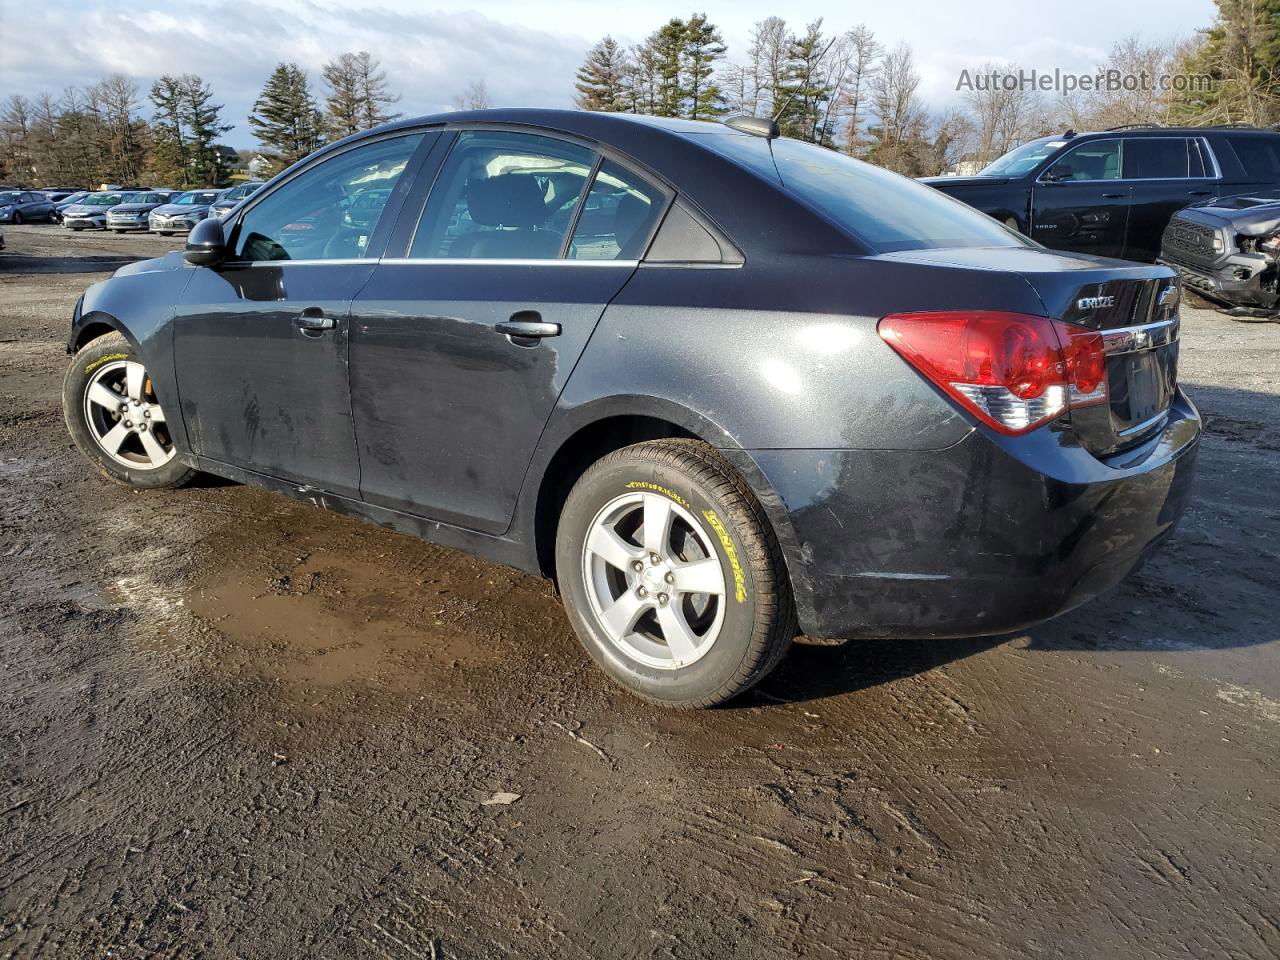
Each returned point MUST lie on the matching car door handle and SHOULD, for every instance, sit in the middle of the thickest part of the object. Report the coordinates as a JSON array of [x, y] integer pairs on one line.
[[312, 321], [1199, 193], [1114, 196], [529, 325]]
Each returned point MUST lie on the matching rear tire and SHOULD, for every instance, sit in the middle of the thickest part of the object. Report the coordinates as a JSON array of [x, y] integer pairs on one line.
[[630, 590], [112, 413]]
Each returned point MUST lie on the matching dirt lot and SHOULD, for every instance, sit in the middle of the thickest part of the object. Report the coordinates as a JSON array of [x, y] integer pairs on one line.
[[235, 726]]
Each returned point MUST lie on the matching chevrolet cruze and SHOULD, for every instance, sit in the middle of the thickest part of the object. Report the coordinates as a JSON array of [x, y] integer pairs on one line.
[[722, 386]]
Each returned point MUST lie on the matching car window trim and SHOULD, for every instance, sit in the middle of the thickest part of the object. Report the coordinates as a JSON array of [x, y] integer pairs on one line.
[[1040, 181], [420, 153], [602, 151], [587, 184]]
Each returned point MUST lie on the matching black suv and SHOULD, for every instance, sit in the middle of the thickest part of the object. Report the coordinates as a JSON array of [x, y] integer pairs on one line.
[[1112, 193]]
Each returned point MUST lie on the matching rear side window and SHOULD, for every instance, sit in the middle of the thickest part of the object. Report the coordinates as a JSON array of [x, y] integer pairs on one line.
[[1157, 158], [503, 196], [1258, 155], [617, 218], [884, 210]]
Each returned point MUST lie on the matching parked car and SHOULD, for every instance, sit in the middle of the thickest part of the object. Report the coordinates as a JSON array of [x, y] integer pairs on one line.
[[1112, 193], [1228, 251], [226, 203], [183, 212], [90, 213], [56, 195], [721, 385], [135, 213], [24, 206], [66, 202]]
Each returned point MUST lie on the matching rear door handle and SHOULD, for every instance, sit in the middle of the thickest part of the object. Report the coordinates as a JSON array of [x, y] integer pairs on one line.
[[1114, 196], [313, 321], [1199, 193], [528, 324]]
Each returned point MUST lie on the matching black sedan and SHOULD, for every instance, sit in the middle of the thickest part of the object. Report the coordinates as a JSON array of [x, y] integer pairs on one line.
[[723, 386], [25, 206]]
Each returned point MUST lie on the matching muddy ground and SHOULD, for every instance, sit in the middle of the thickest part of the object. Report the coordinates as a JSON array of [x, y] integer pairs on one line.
[[235, 726]]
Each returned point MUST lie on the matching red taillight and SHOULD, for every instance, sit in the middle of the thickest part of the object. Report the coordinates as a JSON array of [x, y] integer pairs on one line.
[[1012, 371]]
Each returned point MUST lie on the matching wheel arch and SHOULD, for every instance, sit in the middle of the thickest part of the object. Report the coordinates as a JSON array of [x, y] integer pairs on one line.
[[580, 437], [91, 326]]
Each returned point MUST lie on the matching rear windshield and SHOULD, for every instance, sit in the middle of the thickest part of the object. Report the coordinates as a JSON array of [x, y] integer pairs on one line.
[[887, 212]]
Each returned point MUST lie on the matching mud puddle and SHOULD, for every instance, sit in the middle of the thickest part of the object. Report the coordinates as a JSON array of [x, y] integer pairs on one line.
[[322, 600]]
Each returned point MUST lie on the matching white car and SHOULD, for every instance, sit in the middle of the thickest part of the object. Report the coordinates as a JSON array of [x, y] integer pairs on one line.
[[91, 212]]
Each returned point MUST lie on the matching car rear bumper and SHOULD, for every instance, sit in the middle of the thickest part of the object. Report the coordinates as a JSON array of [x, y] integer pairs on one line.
[[987, 536]]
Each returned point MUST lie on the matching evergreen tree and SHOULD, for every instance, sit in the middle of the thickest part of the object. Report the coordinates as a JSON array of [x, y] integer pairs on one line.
[[1241, 53], [703, 47], [170, 154], [285, 117], [602, 78], [666, 48], [804, 90], [204, 125]]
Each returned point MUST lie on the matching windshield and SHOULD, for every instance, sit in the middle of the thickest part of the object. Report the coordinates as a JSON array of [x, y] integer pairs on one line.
[[146, 198], [1023, 160], [187, 199], [103, 200], [886, 211]]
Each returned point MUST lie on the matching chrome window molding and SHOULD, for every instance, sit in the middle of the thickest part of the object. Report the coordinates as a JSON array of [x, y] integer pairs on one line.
[[1204, 145], [537, 262]]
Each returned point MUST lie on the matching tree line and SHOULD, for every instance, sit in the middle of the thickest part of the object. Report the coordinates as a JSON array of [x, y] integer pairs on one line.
[[849, 91], [108, 133]]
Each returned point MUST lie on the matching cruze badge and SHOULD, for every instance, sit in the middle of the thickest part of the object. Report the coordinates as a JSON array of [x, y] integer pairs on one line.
[[1095, 303]]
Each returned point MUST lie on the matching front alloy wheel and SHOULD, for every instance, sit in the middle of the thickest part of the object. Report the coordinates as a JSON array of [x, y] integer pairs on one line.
[[116, 419], [671, 574]]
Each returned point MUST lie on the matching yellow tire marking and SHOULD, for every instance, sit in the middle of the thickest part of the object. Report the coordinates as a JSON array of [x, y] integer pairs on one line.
[[107, 359]]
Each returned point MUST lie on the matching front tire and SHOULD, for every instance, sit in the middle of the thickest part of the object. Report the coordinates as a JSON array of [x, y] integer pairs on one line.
[[17, 218], [115, 418], [671, 575]]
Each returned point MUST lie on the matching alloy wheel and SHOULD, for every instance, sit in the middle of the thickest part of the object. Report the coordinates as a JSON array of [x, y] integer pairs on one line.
[[654, 580], [124, 417]]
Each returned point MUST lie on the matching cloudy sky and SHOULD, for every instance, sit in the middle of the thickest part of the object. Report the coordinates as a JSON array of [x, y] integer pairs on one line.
[[526, 51]]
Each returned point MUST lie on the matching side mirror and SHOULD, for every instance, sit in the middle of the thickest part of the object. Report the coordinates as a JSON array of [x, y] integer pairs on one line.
[[206, 243]]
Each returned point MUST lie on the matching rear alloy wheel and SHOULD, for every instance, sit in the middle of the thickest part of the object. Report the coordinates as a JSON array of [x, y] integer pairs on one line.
[[671, 575], [116, 419]]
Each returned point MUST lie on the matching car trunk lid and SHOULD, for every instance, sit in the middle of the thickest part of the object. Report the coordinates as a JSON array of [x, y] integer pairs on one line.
[[1134, 307]]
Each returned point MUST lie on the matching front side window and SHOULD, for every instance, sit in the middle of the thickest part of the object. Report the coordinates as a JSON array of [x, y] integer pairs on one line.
[[617, 218], [503, 196], [882, 209], [329, 211], [1099, 160]]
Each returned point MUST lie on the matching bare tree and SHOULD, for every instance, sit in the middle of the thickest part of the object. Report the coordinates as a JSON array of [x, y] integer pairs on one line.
[[900, 135], [474, 97], [1003, 114], [862, 56], [769, 54]]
